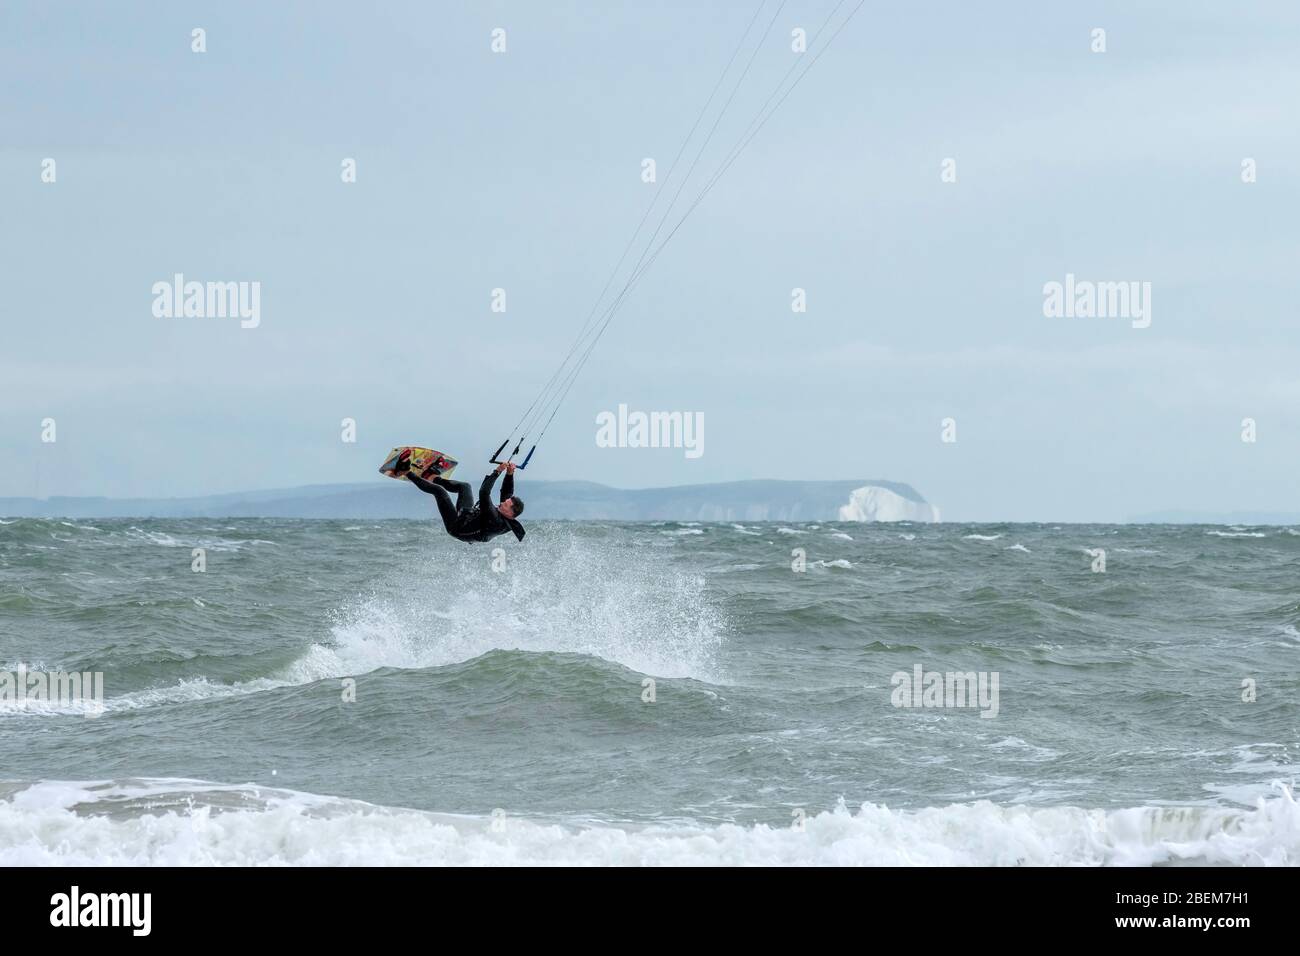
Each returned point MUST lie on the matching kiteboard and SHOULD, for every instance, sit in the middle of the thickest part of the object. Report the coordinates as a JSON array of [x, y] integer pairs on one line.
[[425, 462]]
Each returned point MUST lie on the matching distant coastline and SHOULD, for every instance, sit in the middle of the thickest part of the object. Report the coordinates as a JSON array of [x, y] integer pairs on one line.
[[757, 500]]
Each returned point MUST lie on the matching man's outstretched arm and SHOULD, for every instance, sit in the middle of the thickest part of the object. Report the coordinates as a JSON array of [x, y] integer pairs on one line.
[[485, 490]]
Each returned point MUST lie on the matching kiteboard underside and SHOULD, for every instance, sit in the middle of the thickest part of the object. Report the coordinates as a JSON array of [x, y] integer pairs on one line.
[[425, 462]]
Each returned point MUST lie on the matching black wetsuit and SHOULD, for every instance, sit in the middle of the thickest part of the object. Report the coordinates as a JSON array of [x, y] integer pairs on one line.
[[465, 519]]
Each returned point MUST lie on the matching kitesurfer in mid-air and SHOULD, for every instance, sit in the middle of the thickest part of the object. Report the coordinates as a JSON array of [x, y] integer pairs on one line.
[[467, 520]]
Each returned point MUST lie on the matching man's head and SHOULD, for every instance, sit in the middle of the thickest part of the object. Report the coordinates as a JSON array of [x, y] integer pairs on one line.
[[512, 507]]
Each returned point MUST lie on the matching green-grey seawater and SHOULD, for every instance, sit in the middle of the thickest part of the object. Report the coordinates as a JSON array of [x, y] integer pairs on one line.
[[332, 691]]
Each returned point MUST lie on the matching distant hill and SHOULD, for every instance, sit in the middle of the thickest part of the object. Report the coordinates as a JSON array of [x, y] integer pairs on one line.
[[865, 500]]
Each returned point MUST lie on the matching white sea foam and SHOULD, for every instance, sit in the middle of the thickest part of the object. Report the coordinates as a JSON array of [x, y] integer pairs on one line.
[[1032, 752], [165, 540], [1018, 547], [1237, 534], [841, 534], [982, 537], [560, 595], [184, 823], [838, 563], [29, 666]]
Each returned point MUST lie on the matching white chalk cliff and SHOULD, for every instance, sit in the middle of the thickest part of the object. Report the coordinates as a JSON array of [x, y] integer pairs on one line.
[[873, 503]]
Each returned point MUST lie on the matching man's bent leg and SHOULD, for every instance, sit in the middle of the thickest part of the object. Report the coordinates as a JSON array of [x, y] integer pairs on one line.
[[445, 507], [464, 493]]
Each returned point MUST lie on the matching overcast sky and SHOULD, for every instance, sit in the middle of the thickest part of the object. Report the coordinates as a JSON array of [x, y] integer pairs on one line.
[[479, 170]]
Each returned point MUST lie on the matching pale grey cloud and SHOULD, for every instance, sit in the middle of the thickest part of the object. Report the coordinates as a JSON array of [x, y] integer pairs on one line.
[[522, 172]]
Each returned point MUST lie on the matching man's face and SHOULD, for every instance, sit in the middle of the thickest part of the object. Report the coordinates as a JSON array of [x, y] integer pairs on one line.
[[507, 508]]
